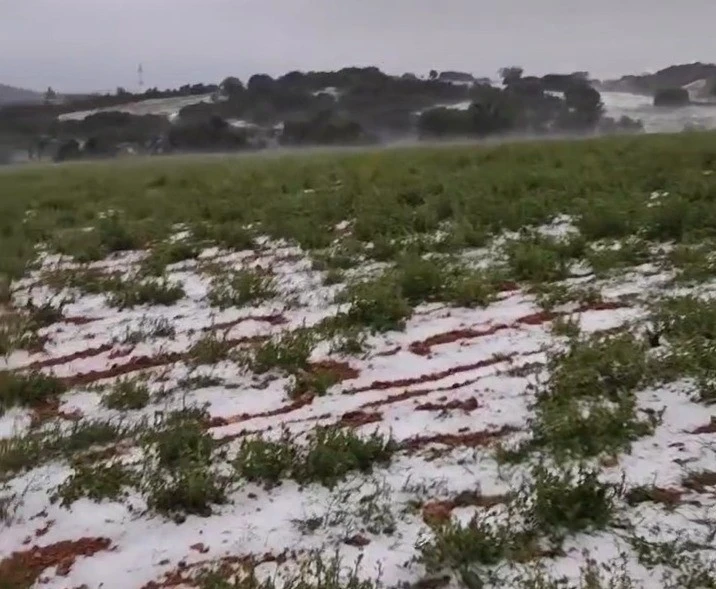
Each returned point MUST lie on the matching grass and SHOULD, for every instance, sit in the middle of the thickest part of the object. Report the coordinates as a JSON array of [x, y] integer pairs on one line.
[[552, 506], [127, 395], [147, 329], [288, 351], [389, 232], [121, 292], [94, 482], [27, 389], [384, 303], [242, 287], [329, 455], [27, 451], [209, 349], [181, 480], [588, 407]]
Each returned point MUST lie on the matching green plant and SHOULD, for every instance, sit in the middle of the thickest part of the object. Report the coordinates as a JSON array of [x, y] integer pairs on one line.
[[569, 501], [127, 394], [266, 461], [27, 389], [241, 288], [288, 351], [376, 305], [96, 482]]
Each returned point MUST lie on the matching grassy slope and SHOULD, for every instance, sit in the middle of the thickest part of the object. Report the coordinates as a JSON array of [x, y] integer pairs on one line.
[[650, 195], [388, 193]]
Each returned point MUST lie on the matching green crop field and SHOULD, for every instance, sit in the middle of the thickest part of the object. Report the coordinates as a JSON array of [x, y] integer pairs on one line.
[[461, 366]]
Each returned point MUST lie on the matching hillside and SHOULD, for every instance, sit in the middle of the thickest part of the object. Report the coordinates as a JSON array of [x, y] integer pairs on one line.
[[12, 95], [351, 106], [398, 368], [675, 76]]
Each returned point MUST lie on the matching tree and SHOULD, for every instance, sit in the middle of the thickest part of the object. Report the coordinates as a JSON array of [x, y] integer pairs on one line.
[[433, 75], [672, 97], [260, 83], [231, 87], [585, 106], [50, 95], [511, 74]]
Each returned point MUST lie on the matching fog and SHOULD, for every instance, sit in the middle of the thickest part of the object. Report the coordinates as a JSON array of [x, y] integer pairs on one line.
[[83, 45]]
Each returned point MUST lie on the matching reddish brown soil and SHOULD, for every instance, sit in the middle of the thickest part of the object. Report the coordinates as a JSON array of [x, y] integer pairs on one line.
[[59, 360], [22, 569], [380, 385], [699, 481], [340, 371], [537, 318], [467, 405], [134, 365], [602, 306], [293, 406], [423, 348], [468, 439], [184, 574], [391, 352], [359, 418], [709, 428], [668, 497], [357, 541], [78, 320], [437, 512], [274, 319]]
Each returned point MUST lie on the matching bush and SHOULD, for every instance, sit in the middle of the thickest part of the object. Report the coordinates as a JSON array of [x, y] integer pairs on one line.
[[671, 97]]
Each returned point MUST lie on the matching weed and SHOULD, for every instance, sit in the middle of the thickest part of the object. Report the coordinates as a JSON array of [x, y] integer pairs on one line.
[[149, 328], [27, 389], [182, 437], [228, 235], [332, 453], [24, 452], [566, 326], [95, 482], [241, 288], [482, 542], [312, 382], [534, 258], [588, 407], [569, 501], [551, 295], [350, 340], [16, 334], [191, 489], [629, 252], [210, 349], [315, 572], [166, 254], [377, 305], [328, 457], [266, 461], [182, 481], [288, 351], [127, 394], [333, 276], [132, 293]]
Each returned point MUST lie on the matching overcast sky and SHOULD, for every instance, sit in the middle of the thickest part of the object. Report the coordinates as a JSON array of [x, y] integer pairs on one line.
[[98, 44]]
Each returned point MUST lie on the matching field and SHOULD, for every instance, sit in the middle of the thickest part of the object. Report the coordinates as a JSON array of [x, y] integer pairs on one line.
[[409, 368]]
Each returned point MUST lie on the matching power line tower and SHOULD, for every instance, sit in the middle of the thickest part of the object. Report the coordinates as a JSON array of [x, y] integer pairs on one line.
[[140, 77]]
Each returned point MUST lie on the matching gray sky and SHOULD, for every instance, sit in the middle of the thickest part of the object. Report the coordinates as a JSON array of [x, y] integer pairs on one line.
[[97, 44]]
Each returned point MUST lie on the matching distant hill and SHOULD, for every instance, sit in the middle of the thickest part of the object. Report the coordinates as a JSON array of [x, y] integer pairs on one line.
[[12, 95], [675, 76]]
